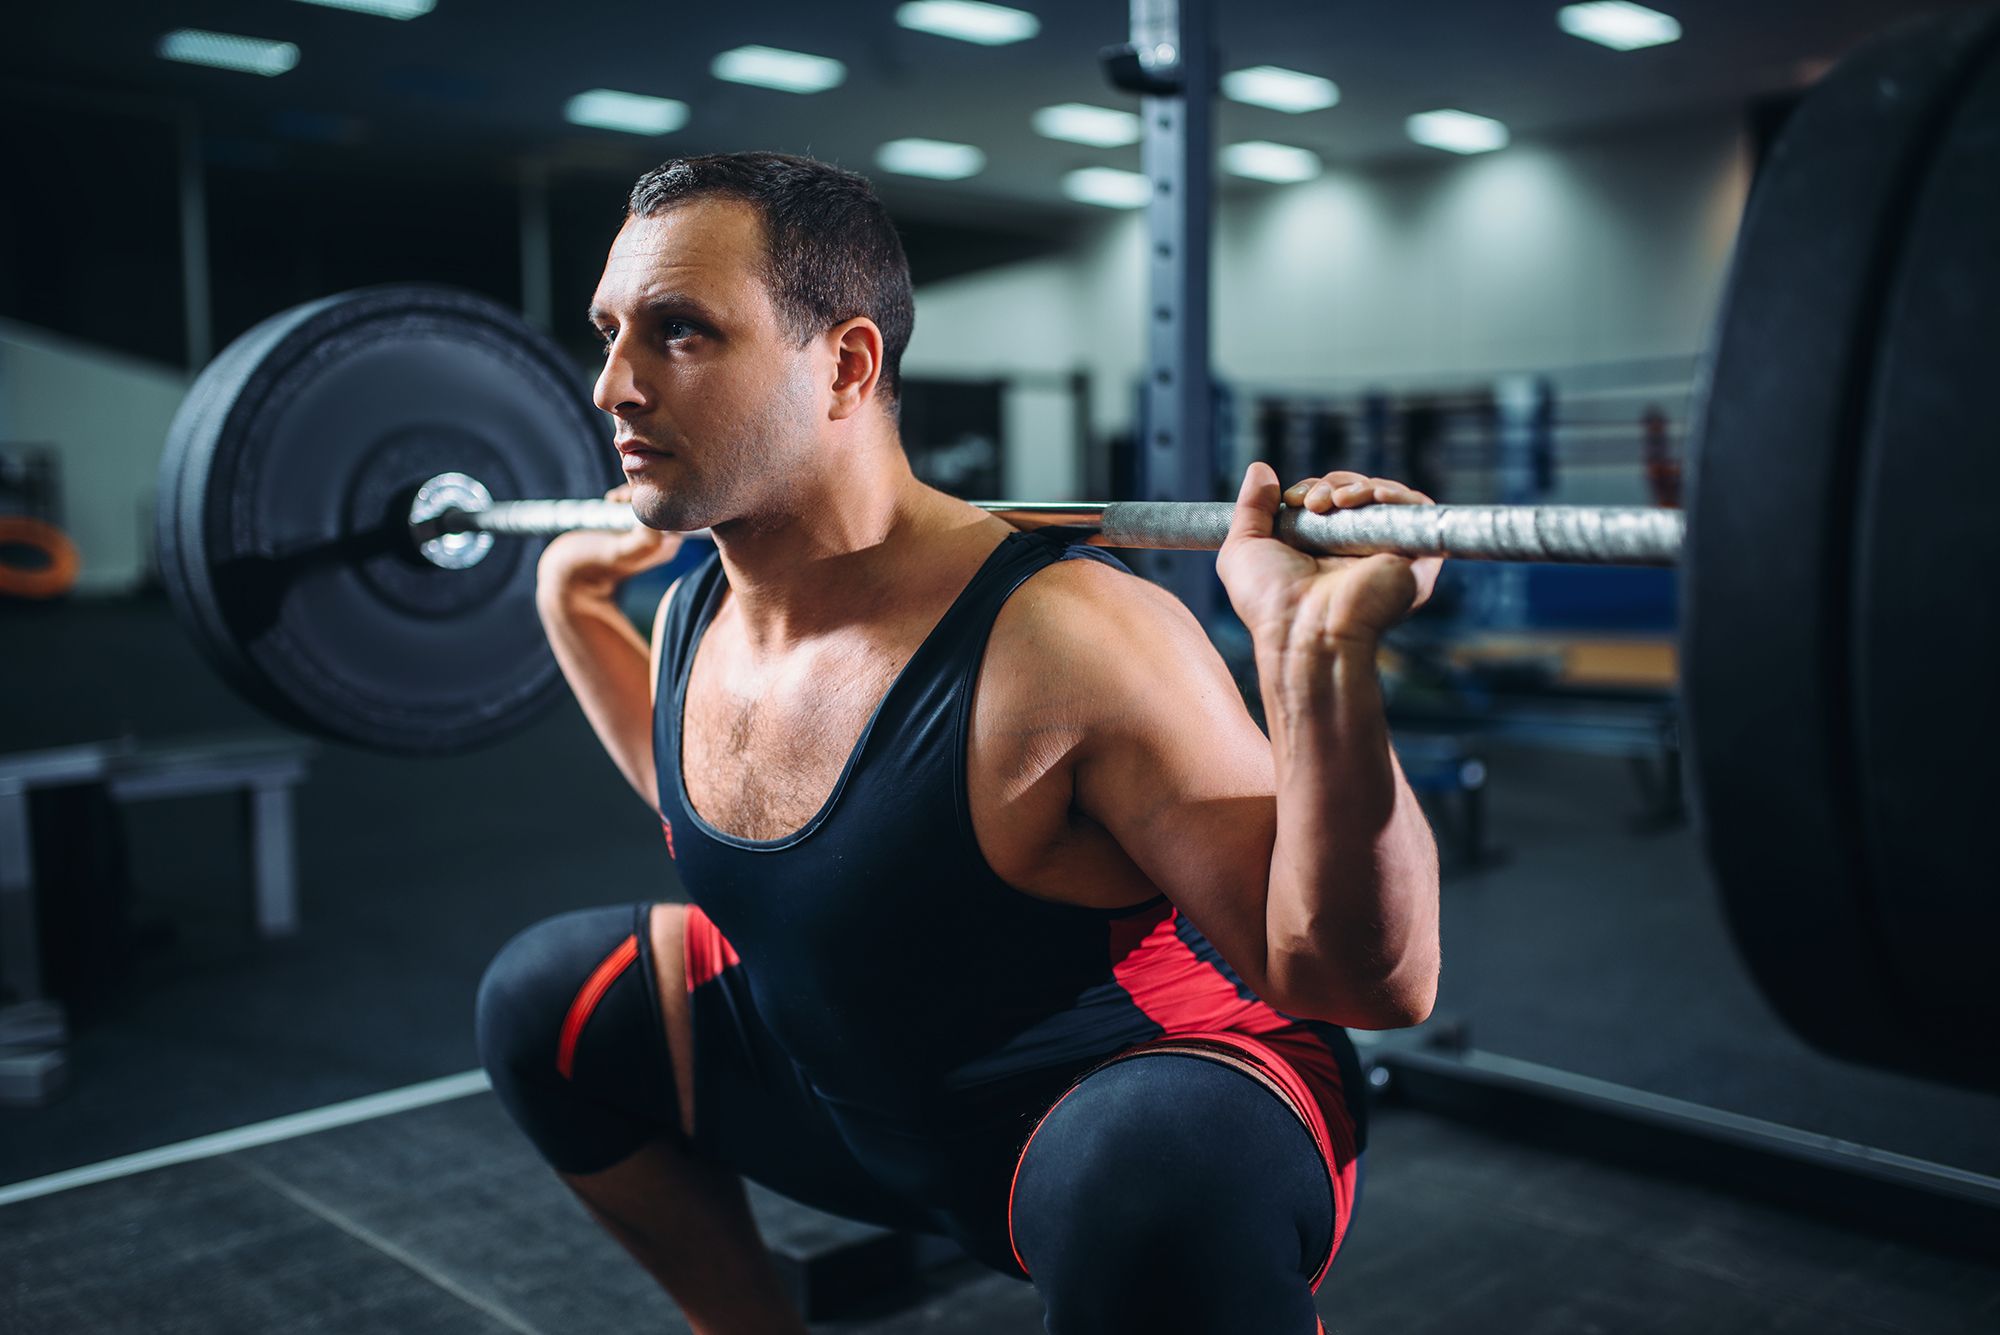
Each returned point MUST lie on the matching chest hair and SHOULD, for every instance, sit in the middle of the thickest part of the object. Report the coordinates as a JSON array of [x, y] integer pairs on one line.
[[762, 749]]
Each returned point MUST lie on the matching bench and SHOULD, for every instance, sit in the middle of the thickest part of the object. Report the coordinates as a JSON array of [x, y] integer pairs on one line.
[[263, 767]]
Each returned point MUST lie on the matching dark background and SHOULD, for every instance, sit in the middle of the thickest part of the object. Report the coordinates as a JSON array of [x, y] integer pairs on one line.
[[1581, 929]]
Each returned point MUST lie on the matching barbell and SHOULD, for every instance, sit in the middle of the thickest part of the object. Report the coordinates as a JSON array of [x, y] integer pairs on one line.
[[328, 530], [453, 505]]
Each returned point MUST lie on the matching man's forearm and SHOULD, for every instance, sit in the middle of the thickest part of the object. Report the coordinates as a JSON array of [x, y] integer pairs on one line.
[[608, 667], [1353, 907]]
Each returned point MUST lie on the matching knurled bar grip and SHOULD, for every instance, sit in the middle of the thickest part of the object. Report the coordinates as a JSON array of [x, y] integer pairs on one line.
[[1568, 534], [1565, 534]]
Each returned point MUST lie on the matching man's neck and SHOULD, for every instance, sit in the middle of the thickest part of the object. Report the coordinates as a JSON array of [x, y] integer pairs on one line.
[[836, 554]]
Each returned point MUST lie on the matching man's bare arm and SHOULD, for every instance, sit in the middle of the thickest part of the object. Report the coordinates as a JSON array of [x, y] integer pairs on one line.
[[611, 671], [608, 667], [1305, 860], [1130, 720], [1353, 909]]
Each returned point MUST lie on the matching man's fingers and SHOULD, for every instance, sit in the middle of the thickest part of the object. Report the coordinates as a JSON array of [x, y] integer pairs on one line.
[[1388, 492], [1345, 491], [1298, 492], [1256, 503]]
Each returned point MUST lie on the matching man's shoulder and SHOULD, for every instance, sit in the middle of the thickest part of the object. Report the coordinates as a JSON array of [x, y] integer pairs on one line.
[[1076, 598], [1080, 626]]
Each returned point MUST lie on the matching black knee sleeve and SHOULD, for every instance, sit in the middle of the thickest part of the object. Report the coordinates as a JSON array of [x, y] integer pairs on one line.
[[570, 1033], [1168, 1194]]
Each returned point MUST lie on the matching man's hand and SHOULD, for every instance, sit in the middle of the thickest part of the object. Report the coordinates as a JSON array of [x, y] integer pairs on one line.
[[598, 561], [1293, 600]]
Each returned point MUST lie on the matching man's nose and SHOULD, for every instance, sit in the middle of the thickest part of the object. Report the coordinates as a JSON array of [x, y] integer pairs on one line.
[[617, 390]]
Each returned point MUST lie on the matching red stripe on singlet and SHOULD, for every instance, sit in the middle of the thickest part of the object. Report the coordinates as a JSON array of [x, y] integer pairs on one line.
[[705, 951], [593, 990], [1174, 987]]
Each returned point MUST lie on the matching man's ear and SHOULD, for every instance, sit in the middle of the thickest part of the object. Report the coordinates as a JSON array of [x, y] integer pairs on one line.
[[857, 365]]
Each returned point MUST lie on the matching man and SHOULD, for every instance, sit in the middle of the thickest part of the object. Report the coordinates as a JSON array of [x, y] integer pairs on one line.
[[1007, 921]]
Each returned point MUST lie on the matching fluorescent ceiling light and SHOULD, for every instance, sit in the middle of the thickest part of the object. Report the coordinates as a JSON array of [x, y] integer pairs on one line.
[[1261, 160], [787, 71], [1620, 26], [388, 9], [934, 158], [1280, 89], [1108, 187], [1100, 127], [1456, 131], [227, 51], [969, 21], [633, 113]]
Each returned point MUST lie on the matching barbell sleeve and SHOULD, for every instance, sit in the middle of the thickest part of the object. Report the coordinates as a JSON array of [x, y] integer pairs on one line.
[[1565, 534], [541, 518]]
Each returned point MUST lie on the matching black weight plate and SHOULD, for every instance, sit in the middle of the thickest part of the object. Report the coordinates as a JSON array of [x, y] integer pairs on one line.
[[1768, 570], [281, 505], [181, 504], [192, 433], [1926, 627]]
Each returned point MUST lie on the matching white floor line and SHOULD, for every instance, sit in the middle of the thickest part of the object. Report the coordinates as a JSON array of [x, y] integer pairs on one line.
[[290, 1127], [370, 1238]]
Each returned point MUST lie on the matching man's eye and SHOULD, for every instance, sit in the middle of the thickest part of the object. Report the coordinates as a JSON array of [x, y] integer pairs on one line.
[[675, 330]]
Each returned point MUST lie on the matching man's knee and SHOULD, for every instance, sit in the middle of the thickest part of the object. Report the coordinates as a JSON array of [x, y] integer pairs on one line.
[[1172, 1166], [570, 1033], [517, 1016], [1104, 1174]]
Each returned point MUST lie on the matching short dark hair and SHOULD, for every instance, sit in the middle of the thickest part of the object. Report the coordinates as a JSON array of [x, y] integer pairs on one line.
[[831, 253]]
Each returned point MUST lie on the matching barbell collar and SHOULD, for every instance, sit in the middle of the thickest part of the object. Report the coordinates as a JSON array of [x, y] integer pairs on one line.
[[1564, 534]]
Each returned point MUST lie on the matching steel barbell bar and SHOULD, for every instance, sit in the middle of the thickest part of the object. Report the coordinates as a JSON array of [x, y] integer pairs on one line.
[[1564, 534]]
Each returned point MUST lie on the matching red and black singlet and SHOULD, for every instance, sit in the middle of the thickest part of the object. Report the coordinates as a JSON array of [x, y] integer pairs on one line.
[[934, 1008]]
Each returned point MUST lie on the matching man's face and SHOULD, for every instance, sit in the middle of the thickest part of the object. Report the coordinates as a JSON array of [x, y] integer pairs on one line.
[[716, 404]]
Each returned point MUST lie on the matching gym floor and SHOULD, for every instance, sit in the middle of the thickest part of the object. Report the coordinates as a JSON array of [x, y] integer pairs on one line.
[[1594, 945]]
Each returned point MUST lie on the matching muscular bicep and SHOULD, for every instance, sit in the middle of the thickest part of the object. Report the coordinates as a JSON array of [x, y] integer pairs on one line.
[[1171, 764]]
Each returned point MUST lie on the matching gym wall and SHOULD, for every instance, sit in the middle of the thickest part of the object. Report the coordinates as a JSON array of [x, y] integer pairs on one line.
[[106, 414], [1606, 248]]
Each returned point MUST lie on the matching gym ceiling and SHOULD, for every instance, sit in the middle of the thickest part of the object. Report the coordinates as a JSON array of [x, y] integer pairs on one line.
[[489, 79]]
